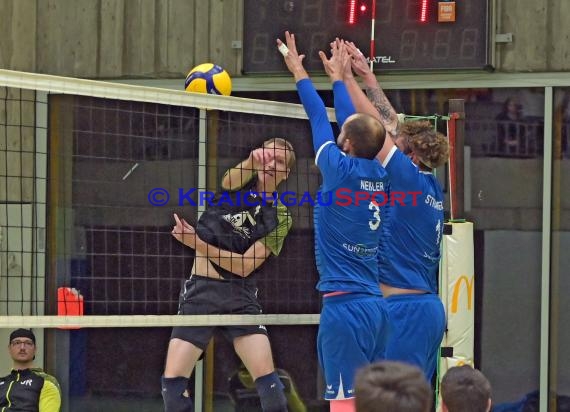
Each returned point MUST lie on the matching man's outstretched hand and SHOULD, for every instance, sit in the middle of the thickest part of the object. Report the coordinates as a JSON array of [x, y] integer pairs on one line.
[[292, 59], [184, 232], [339, 62], [360, 64]]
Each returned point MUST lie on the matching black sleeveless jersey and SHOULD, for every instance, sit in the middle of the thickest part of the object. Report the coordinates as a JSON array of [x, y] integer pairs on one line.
[[235, 220]]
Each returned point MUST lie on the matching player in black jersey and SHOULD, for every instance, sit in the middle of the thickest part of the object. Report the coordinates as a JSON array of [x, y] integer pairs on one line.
[[243, 225]]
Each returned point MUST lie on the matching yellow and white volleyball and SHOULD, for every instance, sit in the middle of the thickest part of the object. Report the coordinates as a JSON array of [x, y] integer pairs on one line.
[[208, 78]]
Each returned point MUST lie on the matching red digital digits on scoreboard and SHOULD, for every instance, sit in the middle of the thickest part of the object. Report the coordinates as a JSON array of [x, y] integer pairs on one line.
[[423, 11], [354, 5], [404, 34], [352, 16], [351, 12]]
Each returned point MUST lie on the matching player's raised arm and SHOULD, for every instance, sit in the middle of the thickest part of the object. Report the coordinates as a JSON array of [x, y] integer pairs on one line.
[[313, 104], [292, 59], [236, 177], [376, 96], [359, 99], [375, 104], [335, 67]]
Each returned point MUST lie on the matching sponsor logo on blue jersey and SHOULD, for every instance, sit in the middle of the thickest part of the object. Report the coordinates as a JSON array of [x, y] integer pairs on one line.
[[361, 250]]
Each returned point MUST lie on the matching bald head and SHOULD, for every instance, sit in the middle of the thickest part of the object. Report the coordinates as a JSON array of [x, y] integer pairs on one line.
[[365, 134]]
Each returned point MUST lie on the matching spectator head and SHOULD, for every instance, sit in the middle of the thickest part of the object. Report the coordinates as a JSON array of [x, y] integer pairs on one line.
[[22, 347], [464, 389], [512, 107], [392, 386]]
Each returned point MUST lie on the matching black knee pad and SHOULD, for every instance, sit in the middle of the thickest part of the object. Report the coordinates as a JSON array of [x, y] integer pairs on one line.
[[173, 390], [271, 394]]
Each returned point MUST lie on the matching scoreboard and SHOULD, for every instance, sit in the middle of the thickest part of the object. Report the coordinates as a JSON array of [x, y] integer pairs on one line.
[[408, 34]]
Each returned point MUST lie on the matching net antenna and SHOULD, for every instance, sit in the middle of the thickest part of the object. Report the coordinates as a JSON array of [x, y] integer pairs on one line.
[[455, 133], [372, 41]]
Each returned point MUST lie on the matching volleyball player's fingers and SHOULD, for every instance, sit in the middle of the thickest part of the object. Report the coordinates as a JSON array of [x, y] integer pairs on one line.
[[359, 63], [257, 158], [268, 155], [186, 225]]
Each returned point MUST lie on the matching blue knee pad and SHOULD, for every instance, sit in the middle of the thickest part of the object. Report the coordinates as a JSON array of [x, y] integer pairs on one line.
[[173, 395], [271, 394]]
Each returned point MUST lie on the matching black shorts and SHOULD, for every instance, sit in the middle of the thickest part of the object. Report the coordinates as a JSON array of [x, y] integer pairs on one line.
[[205, 296]]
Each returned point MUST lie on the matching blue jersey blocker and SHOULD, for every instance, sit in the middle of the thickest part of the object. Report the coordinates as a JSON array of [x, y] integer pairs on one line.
[[353, 327], [410, 260]]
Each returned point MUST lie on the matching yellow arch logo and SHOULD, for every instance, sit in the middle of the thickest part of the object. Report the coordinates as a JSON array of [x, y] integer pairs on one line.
[[457, 287]]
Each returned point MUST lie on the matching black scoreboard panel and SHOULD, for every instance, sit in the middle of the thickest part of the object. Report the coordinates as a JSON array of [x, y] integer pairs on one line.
[[407, 36]]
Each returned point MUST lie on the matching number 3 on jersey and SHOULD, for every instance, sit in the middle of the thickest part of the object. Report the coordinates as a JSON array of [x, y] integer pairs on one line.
[[374, 223]]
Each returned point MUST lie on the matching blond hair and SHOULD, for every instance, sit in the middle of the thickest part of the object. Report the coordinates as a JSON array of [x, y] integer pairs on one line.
[[283, 144]]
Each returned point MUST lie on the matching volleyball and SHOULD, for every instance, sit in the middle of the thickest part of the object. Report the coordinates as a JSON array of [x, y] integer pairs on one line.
[[209, 78]]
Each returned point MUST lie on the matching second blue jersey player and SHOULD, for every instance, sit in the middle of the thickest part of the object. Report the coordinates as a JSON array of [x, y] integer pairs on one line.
[[409, 265], [353, 327]]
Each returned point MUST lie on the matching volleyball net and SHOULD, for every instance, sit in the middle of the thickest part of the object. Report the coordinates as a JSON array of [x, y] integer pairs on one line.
[[114, 165], [94, 172]]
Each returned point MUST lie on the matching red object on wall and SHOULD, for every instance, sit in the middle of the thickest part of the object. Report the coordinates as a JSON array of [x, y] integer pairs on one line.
[[69, 303]]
